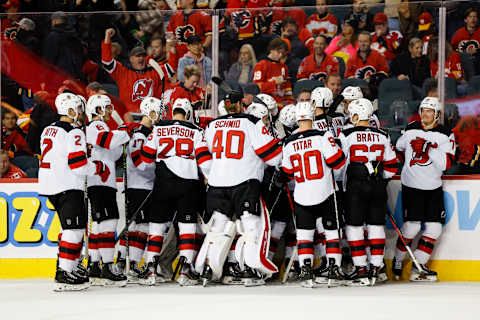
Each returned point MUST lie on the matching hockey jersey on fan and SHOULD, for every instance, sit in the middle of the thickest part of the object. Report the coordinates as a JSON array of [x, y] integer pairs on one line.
[[263, 73], [326, 25], [453, 67], [141, 175], [387, 44], [308, 157], [369, 145], [179, 145], [362, 69], [106, 147], [64, 162], [313, 70], [464, 41], [239, 145], [423, 168]]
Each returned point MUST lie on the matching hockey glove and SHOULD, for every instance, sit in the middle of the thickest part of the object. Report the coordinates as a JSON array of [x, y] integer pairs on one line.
[[102, 170]]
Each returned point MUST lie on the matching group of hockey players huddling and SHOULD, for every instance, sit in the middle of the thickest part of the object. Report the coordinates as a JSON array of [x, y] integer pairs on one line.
[[315, 172]]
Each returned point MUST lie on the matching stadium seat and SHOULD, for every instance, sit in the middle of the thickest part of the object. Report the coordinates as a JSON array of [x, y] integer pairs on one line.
[[467, 65], [393, 89], [305, 84], [353, 82], [473, 85]]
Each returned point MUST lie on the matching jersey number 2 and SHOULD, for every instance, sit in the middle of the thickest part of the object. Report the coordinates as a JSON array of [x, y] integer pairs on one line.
[[49, 145]]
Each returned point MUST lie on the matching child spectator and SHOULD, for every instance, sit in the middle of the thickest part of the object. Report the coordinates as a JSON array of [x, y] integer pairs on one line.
[[453, 62]]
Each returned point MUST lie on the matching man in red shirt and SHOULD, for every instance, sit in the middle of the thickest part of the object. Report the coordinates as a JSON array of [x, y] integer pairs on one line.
[[8, 170], [467, 39], [366, 62], [385, 41], [318, 65]]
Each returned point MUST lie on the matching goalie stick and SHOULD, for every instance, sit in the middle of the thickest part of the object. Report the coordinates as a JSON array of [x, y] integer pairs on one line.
[[125, 184]]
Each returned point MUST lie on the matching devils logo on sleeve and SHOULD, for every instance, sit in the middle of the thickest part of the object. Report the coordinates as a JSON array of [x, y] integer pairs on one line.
[[419, 154], [241, 19], [183, 32], [364, 72], [142, 88], [467, 45]]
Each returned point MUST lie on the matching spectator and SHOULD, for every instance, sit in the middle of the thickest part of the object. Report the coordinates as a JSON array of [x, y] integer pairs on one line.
[[189, 89], [187, 22], [467, 39], [13, 138], [26, 36], [345, 45], [426, 30], [62, 46], [164, 53], [318, 65], [407, 17], [467, 138], [334, 83], [196, 57], [149, 19], [271, 75], [385, 41], [366, 62], [453, 62], [322, 22], [242, 70], [412, 65], [361, 13], [297, 13], [8, 170], [298, 50], [304, 95]]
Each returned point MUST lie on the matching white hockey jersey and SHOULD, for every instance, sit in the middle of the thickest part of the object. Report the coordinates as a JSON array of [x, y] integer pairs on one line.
[[374, 122], [64, 163], [337, 122], [239, 145], [369, 145], [423, 170], [141, 175], [309, 157], [179, 145], [107, 147]]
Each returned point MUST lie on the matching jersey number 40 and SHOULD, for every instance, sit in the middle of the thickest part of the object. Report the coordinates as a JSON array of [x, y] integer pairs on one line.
[[234, 138]]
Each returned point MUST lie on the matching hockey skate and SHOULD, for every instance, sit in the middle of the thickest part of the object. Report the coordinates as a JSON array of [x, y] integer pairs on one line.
[[294, 272], [335, 277], [148, 276], [133, 273], [233, 274], [373, 274], [424, 275], [206, 275], [359, 278], [80, 271], [397, 269], [187, 276], [382, 274], [66, 281], [306, 275], [111, 276], [252, 278], [321, 273], [95, 273]]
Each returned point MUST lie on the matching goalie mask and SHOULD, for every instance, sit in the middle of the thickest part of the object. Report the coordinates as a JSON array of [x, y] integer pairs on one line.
[[362, 108], [322, 98], [150, 104], [66, 101], [433, 104], [269, 102], [97, 105], [258, 110], [185, 106], [304, 111]]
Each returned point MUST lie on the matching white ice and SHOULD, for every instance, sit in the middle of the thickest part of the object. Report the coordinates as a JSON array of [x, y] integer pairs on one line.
[[34, 299]]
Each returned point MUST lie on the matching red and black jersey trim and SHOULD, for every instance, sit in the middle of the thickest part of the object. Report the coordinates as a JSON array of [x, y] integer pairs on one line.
[[202, 154], [187, 242], [147, 154], [270, 150], [288, 172], [305, 247], [104, 139], [77, 159], [70, 251], [391, 166], [377, 246], [136, 158], [426, 244], [450, 160], [337, 160]]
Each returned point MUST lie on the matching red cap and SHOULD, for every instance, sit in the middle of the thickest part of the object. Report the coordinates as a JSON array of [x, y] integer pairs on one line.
[[12, 3], [380, 18], [424, 21]]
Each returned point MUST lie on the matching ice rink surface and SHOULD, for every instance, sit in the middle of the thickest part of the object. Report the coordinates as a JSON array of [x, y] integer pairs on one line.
[[34, 299]]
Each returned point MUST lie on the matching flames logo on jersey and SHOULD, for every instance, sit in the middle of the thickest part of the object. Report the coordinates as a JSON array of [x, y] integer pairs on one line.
[[241, 19], [183, 32], [320, 76], [467, 45], [365, 72], [142, 88]]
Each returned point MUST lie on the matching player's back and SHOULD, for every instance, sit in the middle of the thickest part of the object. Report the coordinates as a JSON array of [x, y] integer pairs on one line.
[[140, 174], [239, 144]]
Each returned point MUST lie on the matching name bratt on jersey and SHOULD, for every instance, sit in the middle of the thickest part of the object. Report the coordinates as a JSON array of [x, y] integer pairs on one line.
[[302, 144], [367, 137]]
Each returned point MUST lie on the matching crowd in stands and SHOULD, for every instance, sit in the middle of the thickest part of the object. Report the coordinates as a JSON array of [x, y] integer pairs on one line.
[[280, 47]]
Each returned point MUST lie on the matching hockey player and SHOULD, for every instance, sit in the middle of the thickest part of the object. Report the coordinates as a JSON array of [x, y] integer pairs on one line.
[[176, 148], [429, 149], [106, 146], [350, 94], [309, 156], [61, 178], [370, 165], [139, 185], [239, 145]]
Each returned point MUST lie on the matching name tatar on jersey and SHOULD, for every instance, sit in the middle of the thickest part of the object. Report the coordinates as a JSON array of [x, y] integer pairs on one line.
[[309, 157]]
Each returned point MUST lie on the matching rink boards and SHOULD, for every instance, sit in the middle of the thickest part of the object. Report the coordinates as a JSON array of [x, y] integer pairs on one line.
[[29, 229]]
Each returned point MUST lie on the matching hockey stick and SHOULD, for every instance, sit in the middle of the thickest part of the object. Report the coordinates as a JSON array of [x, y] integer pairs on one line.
[[409, 250], [222, 84], [154, 64], [125, 184], [295, 249]]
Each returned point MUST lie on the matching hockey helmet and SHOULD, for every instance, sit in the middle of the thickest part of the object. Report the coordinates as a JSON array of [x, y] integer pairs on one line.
[[362, 108], [269, 102], [66, 101], [150, 104], [352, 93], [287, 116], [186, 106], [431, 103], [321, 98], [304, 111], [258, 110], [221, 108], [98, 101]]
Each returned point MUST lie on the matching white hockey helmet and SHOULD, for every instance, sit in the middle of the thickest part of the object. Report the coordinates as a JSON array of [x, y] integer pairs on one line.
[[431, 103], [269, 102], [321, 97], [258, 110], [304, 111], [150, 104], [352, 93], [221, 108], [186, 106], [66, 101], [96, 101], [287, 116], [362, 108]]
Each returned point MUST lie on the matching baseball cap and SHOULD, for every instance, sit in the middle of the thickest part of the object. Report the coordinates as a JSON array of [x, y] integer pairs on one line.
[[137, 51], [27, 24], [380, 18], [193, 39], [424, 21]]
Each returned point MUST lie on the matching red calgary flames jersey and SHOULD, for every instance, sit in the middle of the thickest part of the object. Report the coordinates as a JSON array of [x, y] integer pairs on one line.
[[463, 39], [195, 96], [313, 70], [453, 67], [327, 26], [263, 73], [362, 69], [387, 44]]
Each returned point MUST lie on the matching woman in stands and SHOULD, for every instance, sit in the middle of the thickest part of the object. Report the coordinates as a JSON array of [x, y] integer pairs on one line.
[[345, 44], [242, 70]]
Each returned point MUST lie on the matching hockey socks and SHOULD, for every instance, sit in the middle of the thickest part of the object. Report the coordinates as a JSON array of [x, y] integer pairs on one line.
[[186, 242], [409, 230], [356, 241], [426, 244], [333, 250], [376, 241], [305, 245], [157, 232], [93, 252], [69, 249], [278, 227], [106, 239]]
